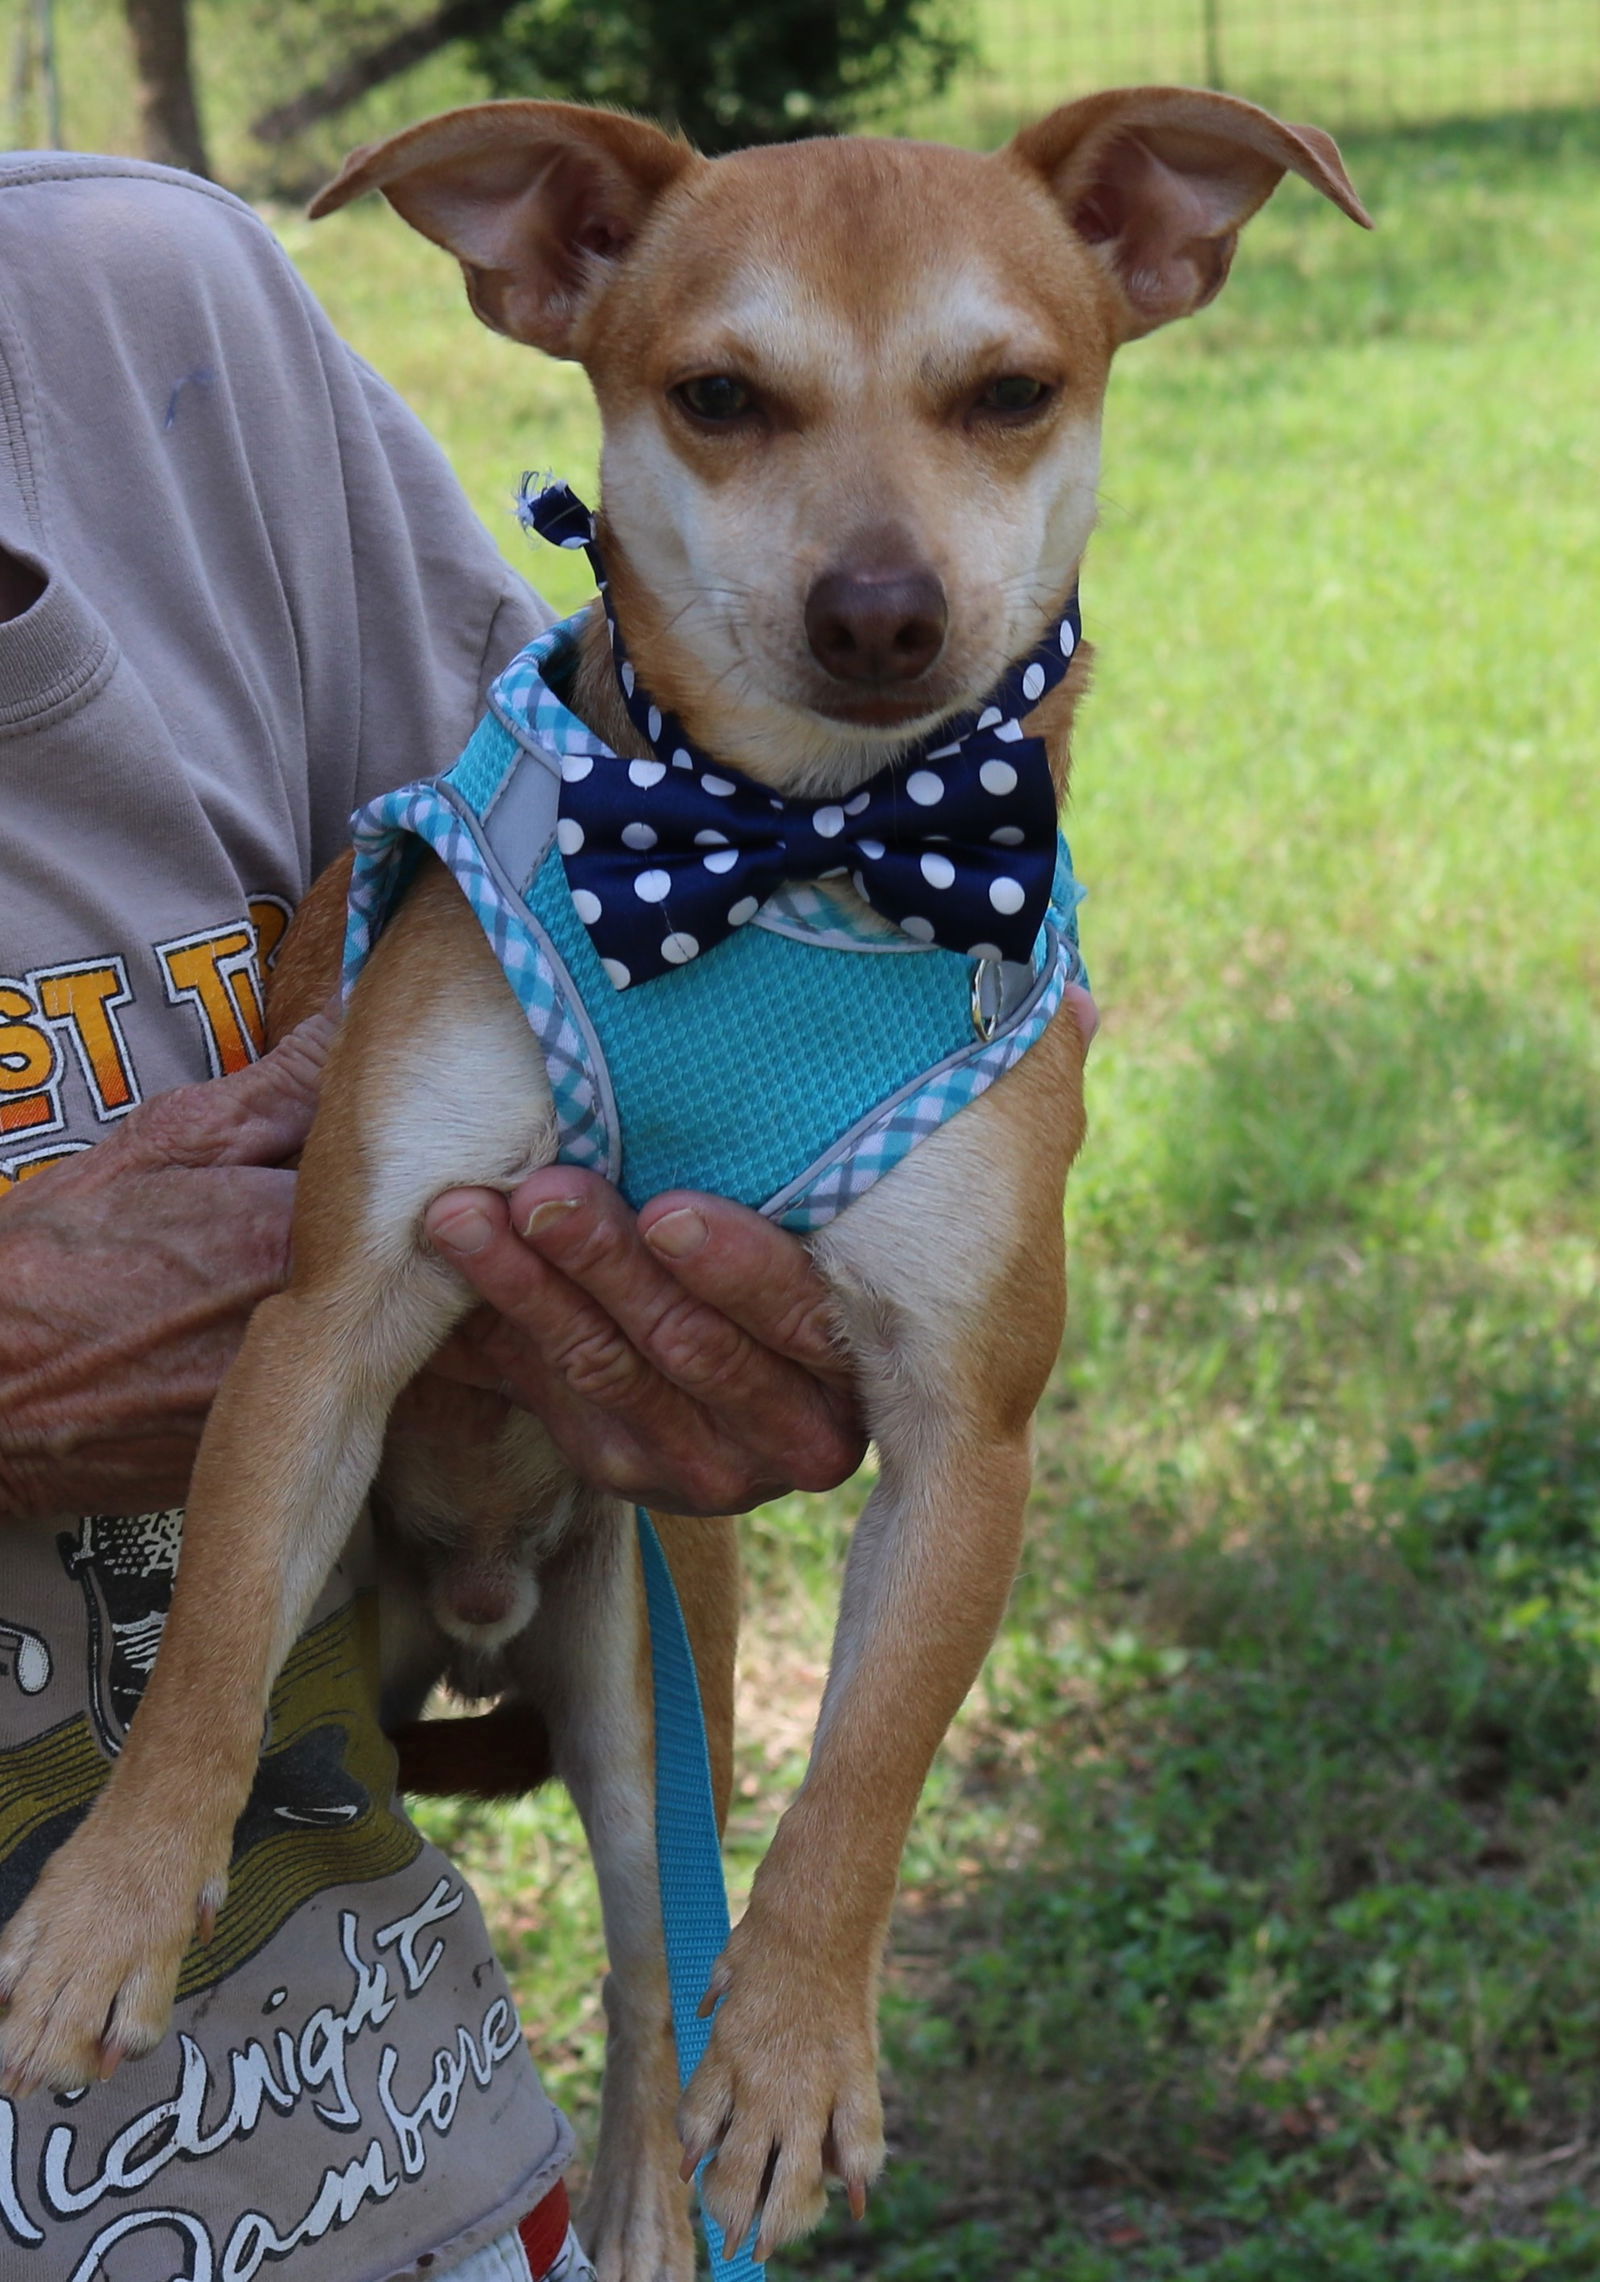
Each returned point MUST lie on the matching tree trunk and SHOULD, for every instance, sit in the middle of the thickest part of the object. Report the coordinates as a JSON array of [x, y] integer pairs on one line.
[[167, 106], [456, 20]]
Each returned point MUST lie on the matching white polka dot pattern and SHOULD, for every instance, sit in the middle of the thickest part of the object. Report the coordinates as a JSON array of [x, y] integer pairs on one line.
[[661, 882]]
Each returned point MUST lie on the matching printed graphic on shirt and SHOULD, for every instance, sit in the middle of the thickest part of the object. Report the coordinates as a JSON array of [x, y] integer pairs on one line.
[[25, 1659], [81, 1002], [319, 1812], [334, 2054], [30, 1067], [216, 974], [57, 1019]]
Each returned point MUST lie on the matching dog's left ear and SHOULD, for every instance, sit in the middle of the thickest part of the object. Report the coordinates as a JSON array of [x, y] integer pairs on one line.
[[537, 201], [1159, 181]]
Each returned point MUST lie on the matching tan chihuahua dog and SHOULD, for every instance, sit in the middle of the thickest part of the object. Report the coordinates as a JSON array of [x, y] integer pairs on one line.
[[870, 370]]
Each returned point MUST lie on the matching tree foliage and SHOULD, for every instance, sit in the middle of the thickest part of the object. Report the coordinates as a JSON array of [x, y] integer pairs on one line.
[[727, 72]]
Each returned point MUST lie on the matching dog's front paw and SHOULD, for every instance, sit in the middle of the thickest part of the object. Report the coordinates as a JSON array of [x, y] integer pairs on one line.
[[89, 1963], [786, 2096]]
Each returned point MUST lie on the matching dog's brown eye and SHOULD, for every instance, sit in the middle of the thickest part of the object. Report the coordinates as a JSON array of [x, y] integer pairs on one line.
[[718, 398], [1013, 392]]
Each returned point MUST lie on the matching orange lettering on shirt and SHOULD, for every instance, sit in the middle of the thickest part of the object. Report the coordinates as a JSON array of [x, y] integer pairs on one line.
[[24, 1168], [84, 998], [270, 917], [216, 974], [30, 1066]]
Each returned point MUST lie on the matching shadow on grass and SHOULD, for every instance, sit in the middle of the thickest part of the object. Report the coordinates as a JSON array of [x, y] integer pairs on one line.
[[1288, 1962]]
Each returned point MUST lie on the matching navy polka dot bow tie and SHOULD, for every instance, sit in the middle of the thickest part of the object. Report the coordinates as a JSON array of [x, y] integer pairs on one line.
[[955, 841]]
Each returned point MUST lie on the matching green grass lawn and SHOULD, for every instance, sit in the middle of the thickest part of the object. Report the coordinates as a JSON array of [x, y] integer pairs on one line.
[[1251, 1927]]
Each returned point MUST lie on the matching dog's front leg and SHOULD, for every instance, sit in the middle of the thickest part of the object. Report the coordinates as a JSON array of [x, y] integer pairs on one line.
[[441, 1080], [90, 1960], [951, 1291]]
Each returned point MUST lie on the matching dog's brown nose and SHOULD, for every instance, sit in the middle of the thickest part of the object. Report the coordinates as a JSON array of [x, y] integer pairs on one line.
[[876, 625]]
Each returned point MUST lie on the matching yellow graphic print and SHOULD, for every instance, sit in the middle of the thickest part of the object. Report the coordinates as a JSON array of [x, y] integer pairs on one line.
[[30, 1067], [85, 999], [270, 917], [319, 1815], [216, 974]]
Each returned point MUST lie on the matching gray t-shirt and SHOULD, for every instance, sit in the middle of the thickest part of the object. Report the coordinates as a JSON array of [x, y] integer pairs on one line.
[[266, 602]]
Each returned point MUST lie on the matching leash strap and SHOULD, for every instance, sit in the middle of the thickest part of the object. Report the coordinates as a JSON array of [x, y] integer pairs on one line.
[[694, 1900]]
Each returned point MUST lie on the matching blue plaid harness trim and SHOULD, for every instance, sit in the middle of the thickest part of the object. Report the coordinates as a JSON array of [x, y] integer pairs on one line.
[[492, 821]]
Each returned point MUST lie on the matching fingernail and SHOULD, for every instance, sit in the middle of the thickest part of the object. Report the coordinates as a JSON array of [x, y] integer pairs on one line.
[[466, 1230], [677, 1234], [549, 1215]]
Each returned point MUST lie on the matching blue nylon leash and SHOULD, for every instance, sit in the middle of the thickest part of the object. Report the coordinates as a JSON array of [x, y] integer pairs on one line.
[[694, 1899]]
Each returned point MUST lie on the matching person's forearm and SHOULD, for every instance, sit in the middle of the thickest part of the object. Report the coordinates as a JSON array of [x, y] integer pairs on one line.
[[107, 1364]]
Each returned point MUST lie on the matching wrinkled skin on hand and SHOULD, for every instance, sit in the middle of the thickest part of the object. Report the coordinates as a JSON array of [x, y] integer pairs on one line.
[[127, 1276]]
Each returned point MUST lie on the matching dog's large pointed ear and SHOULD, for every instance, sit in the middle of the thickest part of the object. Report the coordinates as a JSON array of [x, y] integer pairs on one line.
[[1159, 181], [535, 200]]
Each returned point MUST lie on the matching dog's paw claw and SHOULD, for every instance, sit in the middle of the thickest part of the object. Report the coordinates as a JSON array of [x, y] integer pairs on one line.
[[209, 1909], [717, 1988]]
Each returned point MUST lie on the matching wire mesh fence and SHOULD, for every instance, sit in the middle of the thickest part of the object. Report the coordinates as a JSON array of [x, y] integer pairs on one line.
[[1344, 63]]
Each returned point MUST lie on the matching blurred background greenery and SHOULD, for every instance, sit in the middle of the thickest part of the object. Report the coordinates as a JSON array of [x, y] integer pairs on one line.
[[1251, 1927]]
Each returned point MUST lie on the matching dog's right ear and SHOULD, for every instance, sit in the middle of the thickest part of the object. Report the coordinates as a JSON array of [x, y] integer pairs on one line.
[[535, 200]]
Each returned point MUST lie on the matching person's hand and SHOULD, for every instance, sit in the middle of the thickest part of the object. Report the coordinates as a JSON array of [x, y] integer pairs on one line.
[[685, 1358], [127, 1275]]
